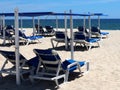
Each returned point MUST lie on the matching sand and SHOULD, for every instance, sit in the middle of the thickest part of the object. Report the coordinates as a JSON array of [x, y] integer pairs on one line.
[[104, 73]]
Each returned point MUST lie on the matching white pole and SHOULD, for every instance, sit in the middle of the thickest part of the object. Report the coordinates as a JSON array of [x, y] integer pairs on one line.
[[21, 23], [84, 23], [33, 26], [71, 35], [38, 25], [56, 23], [99, 22], [89, 27], [3, 23], [66, 41], [17, 47]]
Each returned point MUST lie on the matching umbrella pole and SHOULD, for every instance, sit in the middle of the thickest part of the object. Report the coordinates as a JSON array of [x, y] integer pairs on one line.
[[84, 23], [89, 27], [99, 22], [66, 41], [56, 23], [71, 36], [17, 48], [3, 25], [33, 26], [21, 23], [38, 25]]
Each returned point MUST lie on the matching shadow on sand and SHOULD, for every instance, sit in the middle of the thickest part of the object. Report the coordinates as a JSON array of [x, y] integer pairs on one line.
[[9, 83]]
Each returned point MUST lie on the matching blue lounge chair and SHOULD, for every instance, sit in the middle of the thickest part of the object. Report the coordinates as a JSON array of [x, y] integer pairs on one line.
[[49, 30], [26, 66], [7, 34], [40, 30], [52, 66], [82, 39], [98, 33], [59, 38], [82, 29], [29, 39]]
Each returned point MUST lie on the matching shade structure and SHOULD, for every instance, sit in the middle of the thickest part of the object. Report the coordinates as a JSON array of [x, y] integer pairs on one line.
[[27, 14], [71, 35], [16, 14]]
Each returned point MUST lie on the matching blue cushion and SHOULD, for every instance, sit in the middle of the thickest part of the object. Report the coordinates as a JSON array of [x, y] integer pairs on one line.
[[104, 33], [92, 40], [34, 37], [70, 61]]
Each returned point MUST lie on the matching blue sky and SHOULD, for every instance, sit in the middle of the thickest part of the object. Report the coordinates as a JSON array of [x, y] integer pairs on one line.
[[110, 7]]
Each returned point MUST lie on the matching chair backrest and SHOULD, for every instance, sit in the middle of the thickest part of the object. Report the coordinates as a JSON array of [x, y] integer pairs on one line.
[[7, 33], [79, 36], [48, 57], [59, 34], [10, 56], [95, 29], [82, 30], [39, 28], [49, 29], [9, 27], [21, 34]]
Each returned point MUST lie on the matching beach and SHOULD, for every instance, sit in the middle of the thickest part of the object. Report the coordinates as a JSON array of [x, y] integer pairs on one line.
[[104, 61]]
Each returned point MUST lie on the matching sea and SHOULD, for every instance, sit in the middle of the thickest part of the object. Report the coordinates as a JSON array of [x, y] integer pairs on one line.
[[105, 24]]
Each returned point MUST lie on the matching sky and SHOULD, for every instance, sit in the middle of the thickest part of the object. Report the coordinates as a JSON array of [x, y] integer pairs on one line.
[[109, 7]]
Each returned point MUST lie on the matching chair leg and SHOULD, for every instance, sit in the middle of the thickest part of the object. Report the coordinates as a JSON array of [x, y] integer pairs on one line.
[[28, 41], [89, 46], [31, 79], [87, 66], [78, 67], [66, 76], [57, 44], [52, 43], [56, 81], [38, 40], [98, 44]]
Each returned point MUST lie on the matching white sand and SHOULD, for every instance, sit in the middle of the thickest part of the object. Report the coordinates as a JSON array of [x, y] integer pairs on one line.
[[104, 73]]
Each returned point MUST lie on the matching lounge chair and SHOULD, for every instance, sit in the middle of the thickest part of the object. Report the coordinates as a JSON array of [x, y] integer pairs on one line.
[[52, 66], [97, 32], [82, 29], [7, 34], [49, 30], [82, 39], [59, 38], [87, 33], [29, 39], [26, 66], [39, 29]]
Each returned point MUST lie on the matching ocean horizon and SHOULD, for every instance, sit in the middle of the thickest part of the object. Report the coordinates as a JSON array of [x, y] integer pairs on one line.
[[105, 24]]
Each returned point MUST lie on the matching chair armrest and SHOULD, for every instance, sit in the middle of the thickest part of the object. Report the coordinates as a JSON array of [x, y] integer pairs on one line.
[[72, 64]]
